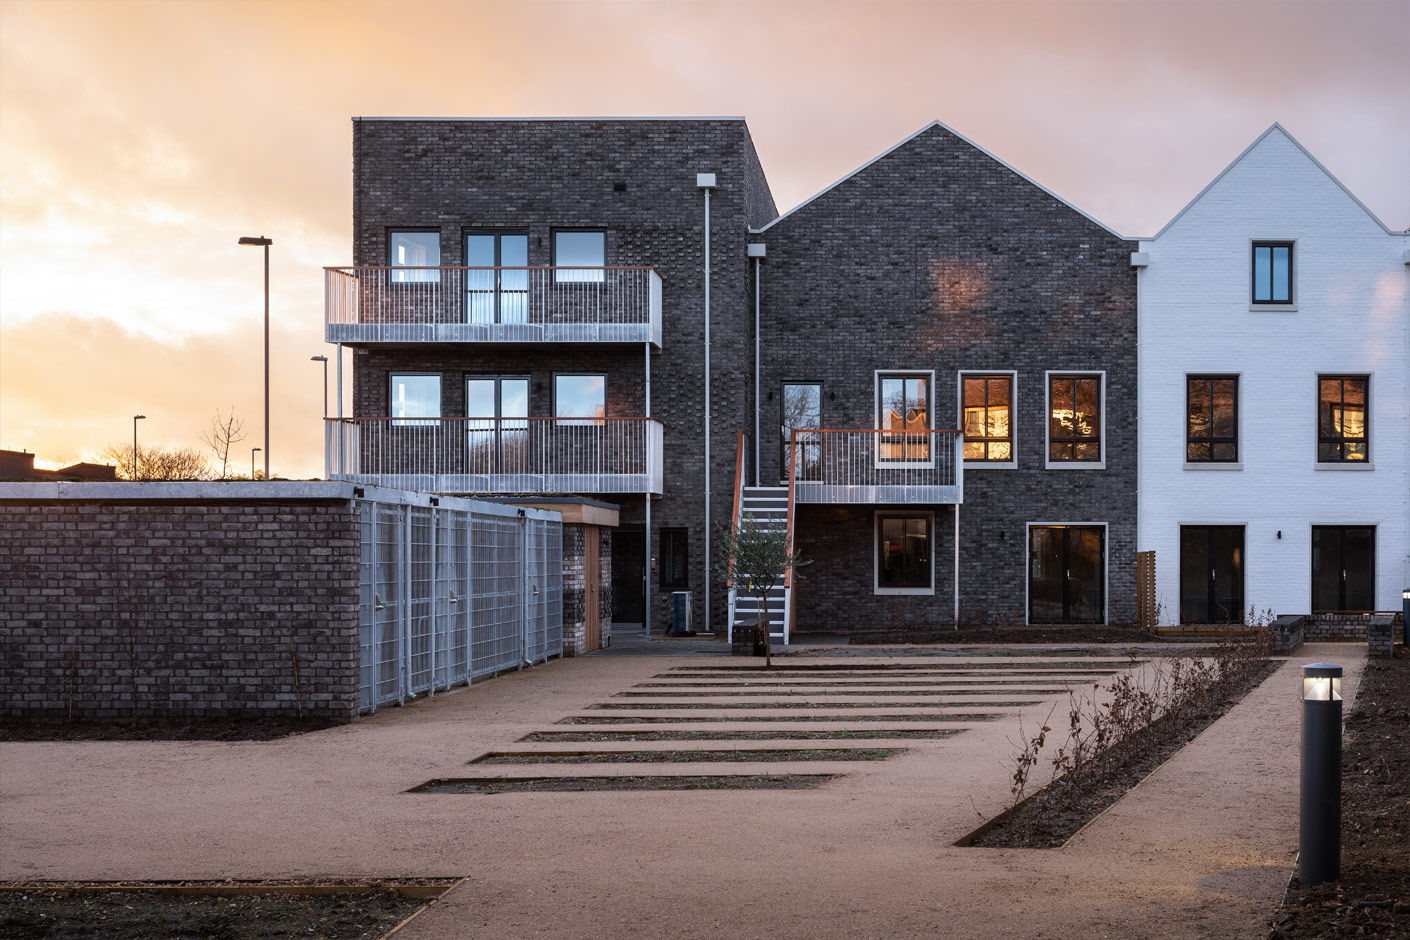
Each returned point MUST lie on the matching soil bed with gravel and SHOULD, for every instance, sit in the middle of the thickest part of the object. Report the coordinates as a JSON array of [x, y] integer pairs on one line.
[[1054, 634], [587, 784], [1025, 689], [693, 757], [585, 737], [693, 719], [1372, 899], [160, 729], [677, 706], [146, 916], [1051, 816]]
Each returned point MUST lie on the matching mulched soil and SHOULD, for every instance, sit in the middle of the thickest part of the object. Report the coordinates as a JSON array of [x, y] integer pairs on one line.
[[585, 784], [695, 719], [576, 737], [1006, 635], [694, 757], [1372, 899], [841, 685], [667, 706], [1043, 822], [146, 916], [161, 729], [1026, 688], [1012, 663]]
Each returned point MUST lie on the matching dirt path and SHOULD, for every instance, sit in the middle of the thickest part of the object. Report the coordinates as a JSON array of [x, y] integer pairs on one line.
[[1202, 848]]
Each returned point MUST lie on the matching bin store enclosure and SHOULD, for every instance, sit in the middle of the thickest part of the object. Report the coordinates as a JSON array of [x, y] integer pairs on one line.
[[281, 598]]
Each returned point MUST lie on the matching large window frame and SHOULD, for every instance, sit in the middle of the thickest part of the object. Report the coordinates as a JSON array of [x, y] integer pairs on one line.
[[573, 421], [811, 451], [991, 463], [915, 454], [915, 589], [585, 274], [397, 275], [414, 421], [506, 286], [1342, 441], [1272, 301], [1215, 444], [1100, 438]]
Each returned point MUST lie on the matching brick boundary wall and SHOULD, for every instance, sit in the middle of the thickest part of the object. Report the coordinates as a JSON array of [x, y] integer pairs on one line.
[[192, 608]]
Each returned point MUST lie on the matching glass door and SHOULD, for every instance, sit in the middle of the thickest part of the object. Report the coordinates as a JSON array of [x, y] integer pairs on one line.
[[497, 286], [497, 432], [1066, 574], [802, 411], [1211, 574], [1343, 568]]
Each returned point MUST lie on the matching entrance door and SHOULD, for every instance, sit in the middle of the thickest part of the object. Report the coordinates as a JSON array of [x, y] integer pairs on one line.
[[497, 279], [1066, 574], [591, 591], [497, 436], [1343, 567], [1212, 574], [628, 576]]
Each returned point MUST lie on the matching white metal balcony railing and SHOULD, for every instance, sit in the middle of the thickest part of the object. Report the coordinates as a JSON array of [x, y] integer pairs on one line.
[[386, 304], [873, 466], [497, 455]]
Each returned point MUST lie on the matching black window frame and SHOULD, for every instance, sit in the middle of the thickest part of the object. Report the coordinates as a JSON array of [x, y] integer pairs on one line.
[[1071, 443], [1270, 244], [553, 254], [987, 377], [1342, 441], [928, 587], [434, 277], [1211, 440], [667, 547]]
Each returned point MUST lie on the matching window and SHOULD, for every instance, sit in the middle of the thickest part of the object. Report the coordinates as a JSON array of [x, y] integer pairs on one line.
[[802, 410], [579, 396], [986, 407], [675, 559], [415, 396], [1273, 272], [903, 410], [1074, 418], [414, 249], [1342, 405], [497, 289], [1212, 419], [579, 250], [903, 556]]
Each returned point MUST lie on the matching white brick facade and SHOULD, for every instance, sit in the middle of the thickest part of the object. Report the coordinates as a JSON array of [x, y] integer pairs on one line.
[[1351, 290]]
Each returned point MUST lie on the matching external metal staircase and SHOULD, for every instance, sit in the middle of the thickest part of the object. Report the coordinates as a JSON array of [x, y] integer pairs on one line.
[[770, 507]]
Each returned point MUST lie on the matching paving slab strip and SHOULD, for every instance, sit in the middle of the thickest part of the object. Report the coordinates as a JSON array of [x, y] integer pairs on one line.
[[840, 734], [490, 785], [796, 693], [751, 719], [738, 755], [836, 668], [753, 705], [879, 684]]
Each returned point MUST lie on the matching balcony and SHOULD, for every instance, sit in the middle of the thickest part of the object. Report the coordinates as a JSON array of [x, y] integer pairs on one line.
[[873, 466], [383, 304], [502, 456]]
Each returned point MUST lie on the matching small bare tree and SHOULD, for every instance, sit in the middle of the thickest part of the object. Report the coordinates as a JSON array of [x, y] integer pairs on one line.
[[225, 432], [757, 558], [157, 463]]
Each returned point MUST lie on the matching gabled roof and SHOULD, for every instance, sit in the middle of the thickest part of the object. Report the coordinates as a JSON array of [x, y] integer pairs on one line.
[[1275, 126], [945, 127]]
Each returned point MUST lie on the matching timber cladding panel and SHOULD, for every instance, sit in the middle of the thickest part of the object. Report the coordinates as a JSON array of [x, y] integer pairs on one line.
[[191, 609]]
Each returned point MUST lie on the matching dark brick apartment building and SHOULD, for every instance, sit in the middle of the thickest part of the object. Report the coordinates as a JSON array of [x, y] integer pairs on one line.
[[529, 306]]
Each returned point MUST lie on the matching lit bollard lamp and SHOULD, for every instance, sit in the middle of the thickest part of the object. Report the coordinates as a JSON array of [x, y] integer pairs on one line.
[[1405, 617], [1319, 842]]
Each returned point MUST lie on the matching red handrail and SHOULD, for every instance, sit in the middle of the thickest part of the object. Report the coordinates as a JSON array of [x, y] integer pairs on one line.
[[738, 498]]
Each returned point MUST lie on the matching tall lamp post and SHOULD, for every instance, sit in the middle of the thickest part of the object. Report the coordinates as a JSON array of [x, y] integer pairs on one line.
[[262, 242], [253, 451], [135, 419], [324, 360]]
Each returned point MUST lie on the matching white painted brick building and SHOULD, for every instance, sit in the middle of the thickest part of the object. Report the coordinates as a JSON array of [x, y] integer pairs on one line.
[[1268, 308]]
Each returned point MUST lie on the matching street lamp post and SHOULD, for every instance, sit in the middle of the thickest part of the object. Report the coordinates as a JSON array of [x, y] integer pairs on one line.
[[253, 451], [324, 360], [262, 242], [135, 419]]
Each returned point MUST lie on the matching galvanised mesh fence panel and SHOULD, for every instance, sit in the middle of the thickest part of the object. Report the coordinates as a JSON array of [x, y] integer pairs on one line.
[[452, 597], [421, 639], [497, 589], [552, 590], [367, 572], [389, 548]]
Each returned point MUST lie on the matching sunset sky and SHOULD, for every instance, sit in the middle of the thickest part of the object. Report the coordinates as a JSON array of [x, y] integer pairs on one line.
[[138, 141]]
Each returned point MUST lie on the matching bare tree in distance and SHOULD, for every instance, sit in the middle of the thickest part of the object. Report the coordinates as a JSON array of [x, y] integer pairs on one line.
[[225, 432], [158, 463]]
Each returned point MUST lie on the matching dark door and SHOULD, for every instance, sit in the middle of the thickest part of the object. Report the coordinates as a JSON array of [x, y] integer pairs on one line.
[[1211, 574], [628, 575], [1066, 574], [1343, 567], [592, 575]]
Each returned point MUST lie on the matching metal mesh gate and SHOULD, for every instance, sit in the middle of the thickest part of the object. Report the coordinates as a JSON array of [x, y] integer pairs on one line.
[[452, 590]]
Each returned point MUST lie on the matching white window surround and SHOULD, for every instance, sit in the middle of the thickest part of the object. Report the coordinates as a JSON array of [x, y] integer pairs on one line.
[[877, 589], [1047, 421], [1011, 464], [1106, 561], [1340, 466], [929, 375], [1291, 305], [1200, 466]]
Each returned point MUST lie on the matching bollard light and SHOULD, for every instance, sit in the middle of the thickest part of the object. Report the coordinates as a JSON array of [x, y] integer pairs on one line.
[[1319, 829], [1405, 617]]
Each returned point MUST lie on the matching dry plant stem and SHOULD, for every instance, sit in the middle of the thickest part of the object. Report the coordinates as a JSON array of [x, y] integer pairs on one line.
[[298, 691]]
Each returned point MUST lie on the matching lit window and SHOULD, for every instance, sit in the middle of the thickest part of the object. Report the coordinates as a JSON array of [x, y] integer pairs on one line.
[[1272, 272], [903, 557], [1211, 419], [1075, 418], [415, 396], [414, 250], [1342, 405], [579, 396], [584, 250], [987, 407]]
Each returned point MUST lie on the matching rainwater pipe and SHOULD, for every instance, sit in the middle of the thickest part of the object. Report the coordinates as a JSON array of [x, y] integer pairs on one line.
[[706, 181], [757, 252]]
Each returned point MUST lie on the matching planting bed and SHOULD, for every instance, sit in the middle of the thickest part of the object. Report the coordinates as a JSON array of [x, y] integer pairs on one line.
[[690, 757], [160, 729], [690, 719], [653, 706], [1009, 663], [149, 916], [1372, 899], [786, 693], [934, 685], [949, 635], [586, 784], [583, 737]]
